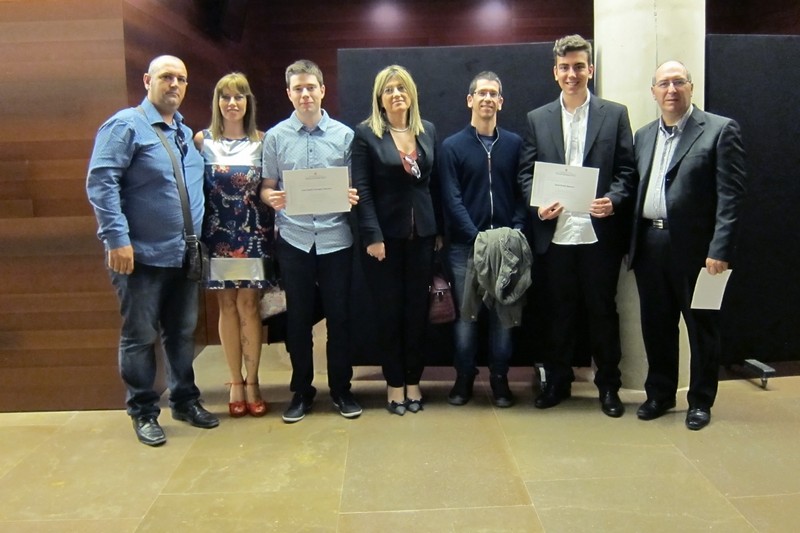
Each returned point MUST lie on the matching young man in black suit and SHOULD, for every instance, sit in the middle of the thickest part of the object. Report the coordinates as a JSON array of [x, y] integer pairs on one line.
[[581, 252], [692, 168]]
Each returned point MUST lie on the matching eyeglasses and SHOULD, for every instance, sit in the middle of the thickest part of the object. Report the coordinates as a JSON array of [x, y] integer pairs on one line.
[[391, 89], [172, 78], [412, 163], [494, 95], [679, 83]]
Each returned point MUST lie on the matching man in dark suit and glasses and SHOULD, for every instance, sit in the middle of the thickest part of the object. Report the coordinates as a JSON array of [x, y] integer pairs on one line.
[[692, 168], [581, 252]]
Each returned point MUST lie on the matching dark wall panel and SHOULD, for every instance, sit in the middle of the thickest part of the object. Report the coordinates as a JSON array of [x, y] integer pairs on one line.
[[761, 312], [442, 75]]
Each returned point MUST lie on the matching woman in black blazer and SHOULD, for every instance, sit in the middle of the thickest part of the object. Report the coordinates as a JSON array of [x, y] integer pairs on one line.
[[393, 166]]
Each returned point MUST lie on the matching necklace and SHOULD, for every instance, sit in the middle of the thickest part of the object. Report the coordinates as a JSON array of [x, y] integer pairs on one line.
[[399, 130]]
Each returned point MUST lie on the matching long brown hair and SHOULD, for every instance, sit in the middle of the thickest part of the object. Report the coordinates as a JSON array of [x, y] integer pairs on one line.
[[236, 82]]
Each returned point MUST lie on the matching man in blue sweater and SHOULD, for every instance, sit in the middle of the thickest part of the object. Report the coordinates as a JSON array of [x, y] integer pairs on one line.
[[478, 172]]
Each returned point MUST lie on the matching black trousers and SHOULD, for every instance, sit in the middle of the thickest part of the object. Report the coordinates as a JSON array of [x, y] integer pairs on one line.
[[399, 286], [301, 273], [665, 292], [582, 275]]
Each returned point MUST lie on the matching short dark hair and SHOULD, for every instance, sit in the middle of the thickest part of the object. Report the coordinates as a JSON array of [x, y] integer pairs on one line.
[[303, 66], [487, 75], [572, 43]]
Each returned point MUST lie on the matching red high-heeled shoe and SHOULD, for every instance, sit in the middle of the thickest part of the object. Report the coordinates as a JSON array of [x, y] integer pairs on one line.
[[259, 407], [237, 409]]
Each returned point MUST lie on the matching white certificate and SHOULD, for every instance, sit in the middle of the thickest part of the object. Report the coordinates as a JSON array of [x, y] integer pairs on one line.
[[709, 290], [574, 187], [317, 191]]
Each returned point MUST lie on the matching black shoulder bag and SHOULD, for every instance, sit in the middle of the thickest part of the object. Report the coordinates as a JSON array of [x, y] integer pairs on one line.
[[196, 260]]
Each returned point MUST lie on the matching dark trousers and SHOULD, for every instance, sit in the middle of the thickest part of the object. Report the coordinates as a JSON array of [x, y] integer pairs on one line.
[[583, 274], [301, 273], [665, 292], [399, 285], [153, 301]]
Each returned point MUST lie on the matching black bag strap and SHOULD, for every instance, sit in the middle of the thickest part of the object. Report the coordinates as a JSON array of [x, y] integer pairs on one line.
[[188, 226]]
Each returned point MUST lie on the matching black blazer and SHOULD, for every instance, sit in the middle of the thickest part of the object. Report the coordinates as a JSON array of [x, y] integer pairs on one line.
[[705, 184], [388, 195], [609, 147]]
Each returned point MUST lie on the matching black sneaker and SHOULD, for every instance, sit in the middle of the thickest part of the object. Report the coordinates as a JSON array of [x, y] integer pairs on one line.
[[300, 405], [347, 405], [501, 394], [461, 392], [148, 431]]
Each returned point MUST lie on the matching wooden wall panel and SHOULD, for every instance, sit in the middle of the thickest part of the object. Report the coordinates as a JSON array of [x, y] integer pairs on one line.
[[64, 72]]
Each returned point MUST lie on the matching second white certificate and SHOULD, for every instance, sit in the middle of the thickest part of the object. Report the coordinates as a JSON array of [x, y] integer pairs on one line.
[[574, 187], [317, 191]]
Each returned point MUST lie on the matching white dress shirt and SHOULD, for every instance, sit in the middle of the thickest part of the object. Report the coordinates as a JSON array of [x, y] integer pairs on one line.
[[573, 227]]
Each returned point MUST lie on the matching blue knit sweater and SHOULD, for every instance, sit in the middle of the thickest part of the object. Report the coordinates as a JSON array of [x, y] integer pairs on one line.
[[473, 197]]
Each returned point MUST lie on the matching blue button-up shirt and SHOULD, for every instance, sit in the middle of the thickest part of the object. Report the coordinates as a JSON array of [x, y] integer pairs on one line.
[[131, 185], [290, 145]]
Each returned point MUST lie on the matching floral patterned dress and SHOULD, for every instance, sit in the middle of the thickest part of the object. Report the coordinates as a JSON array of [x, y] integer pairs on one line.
[[239, 229]]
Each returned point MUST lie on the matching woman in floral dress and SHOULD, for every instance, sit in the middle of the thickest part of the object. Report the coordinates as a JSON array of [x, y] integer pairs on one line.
[[239, 232]]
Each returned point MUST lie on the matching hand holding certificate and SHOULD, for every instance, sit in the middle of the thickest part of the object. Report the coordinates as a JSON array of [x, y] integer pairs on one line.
[[573, 187], [317, 191]]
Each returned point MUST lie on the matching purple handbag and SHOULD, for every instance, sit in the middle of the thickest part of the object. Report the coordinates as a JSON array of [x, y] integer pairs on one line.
[[442, 309]]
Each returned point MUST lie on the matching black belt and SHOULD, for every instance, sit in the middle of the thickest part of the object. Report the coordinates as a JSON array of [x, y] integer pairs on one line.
[[658, 223]]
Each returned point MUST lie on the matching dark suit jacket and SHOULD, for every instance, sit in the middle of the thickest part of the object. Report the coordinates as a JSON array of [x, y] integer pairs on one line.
[[705, 184], [387, 193], [609, 147]]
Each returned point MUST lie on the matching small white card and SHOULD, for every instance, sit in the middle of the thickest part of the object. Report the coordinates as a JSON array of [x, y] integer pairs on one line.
[[317, 191], [709, 290], [575, 187]]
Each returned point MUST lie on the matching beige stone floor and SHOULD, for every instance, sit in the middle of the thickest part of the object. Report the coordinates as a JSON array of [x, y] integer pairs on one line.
[[447, 469]]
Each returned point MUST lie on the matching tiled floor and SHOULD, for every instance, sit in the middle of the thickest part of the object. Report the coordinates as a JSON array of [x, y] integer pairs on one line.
[[447, 469]]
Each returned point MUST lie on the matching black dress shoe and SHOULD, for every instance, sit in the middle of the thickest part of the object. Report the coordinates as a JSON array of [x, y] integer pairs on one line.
[[195, 414], [461, 393], [652, 409], [148, 431], [611, 404], [501, 393], [550, 397], [698, 418]]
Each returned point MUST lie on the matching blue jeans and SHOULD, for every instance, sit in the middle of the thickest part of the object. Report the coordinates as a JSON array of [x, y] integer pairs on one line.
[[156, 300], [466, 331]]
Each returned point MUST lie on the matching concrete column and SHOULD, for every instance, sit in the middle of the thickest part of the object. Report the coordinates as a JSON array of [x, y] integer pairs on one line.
[[631, 38]]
